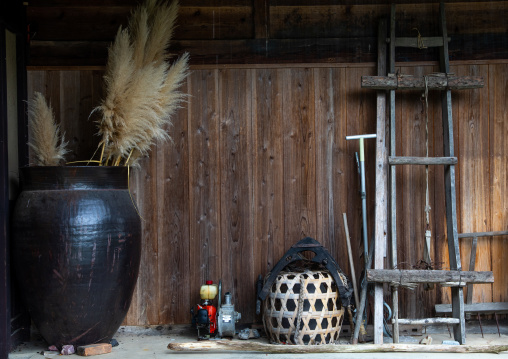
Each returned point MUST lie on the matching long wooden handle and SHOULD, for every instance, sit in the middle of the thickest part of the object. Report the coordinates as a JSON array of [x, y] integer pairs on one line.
[[351, 264]]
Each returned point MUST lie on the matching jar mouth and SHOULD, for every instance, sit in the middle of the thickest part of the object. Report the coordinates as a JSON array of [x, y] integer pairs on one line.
[[74, 177]]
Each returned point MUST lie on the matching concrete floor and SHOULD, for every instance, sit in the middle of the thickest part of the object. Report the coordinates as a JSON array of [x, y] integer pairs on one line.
[[152, 342]]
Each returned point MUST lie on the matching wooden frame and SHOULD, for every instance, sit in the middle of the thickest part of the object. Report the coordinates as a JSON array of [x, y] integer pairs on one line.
[[5, 305], [12, 19]]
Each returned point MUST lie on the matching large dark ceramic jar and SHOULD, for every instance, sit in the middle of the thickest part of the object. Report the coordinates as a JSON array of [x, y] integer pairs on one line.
[[76, 246]]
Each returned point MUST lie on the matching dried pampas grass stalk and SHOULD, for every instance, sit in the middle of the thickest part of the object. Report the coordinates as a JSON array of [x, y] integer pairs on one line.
[[141, 87], [48, 147]]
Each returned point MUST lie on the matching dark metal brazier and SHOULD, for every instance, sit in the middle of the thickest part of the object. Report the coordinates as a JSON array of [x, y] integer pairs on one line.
[[76, 247]]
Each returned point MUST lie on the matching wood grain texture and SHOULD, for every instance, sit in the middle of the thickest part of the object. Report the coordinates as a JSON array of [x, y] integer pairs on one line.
[[229, 32], [268, 183], [411, 199], [207, 20], [143, 187], [361, 119], [405, 276], [498, 112], [330, 107], [204, 181], [225, 345], [259, 159], [471, 114], [82, 22], [173, 265], [299, 155], [236, 189]]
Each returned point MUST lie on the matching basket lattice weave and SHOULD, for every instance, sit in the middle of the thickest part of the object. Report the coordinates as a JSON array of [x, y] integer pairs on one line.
[[303, 308]]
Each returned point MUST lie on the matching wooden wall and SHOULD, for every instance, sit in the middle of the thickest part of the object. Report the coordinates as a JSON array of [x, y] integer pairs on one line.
[[259, 161], [76, 32]]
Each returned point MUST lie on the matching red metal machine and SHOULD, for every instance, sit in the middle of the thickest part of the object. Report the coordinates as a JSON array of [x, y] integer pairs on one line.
[[211, 321], [205, 316]]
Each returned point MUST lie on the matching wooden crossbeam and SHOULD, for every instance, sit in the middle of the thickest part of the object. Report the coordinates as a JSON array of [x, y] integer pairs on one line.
[[404, 277], [434, 82], [483, 234], [483, 308], [414, 42], [429, 321], [408, 160]]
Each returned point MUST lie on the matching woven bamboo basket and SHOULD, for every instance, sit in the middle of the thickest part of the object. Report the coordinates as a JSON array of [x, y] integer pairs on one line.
[[303, 307]]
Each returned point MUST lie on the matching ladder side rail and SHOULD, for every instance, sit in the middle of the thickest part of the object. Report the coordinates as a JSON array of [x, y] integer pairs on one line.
[[393, 183], [472, 258], [450, 197], [380, 226]]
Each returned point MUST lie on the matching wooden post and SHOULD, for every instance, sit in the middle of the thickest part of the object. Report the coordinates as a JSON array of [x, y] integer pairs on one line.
[[472, 263], [393, 183], [261, 19], [459, 331], [381, 205], [5, 293], [351, 263]]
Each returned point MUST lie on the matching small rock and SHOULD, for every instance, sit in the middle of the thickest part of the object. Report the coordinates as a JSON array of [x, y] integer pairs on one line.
[[427, 340], [247, 333], [68, 350], [113, 342], [254, 334], [450, 342], [53, 348], [51, 354], [244, 334]]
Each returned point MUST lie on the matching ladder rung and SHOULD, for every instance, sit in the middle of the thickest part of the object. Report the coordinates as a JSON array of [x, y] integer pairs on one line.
[[484, 308], [439, 81], [406, 160], [408, 276], [425, 41], [427, 321]]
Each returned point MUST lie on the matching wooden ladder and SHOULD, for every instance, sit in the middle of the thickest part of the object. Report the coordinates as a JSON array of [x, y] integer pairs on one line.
[[445, 82]]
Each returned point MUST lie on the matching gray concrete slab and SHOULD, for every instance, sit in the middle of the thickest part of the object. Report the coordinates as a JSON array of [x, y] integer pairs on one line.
[[152, 342]]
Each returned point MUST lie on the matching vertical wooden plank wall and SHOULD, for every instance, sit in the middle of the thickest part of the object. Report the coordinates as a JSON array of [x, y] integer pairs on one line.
[[299, 156], [204, 179], [259, 160], [268, 183], [236, 191], [498, 113], [411, 123], [474, 200]]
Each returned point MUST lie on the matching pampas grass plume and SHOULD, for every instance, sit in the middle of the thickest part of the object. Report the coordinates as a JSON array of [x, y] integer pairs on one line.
[[47, 146], [141, 87]]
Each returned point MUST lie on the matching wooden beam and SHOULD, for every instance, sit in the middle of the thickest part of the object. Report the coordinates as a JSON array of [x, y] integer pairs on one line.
[[414, 42], [483, 234], [429, 321], [234, 345], [427, 276], [483, 308], [261, 10], [381, 208], [472, 264], [5, 290], [202, 52], [434, 82], [275, 51], [407, 160]]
